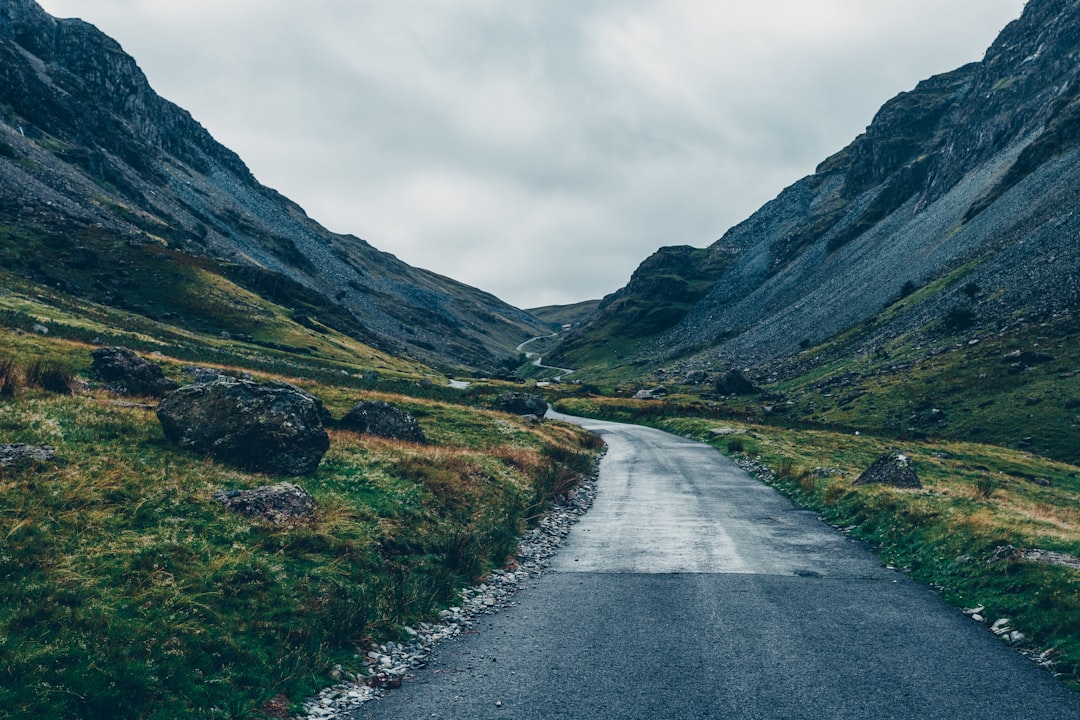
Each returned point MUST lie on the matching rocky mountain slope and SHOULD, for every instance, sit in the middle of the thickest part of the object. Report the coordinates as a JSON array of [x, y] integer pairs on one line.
[[111, 194], [955, 210]]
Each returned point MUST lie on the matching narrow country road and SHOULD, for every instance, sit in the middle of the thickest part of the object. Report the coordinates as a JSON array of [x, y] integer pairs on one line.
[[691, 590], [538, 360]]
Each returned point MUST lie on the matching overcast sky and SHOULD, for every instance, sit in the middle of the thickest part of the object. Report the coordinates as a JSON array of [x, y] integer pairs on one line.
[[538, 149]]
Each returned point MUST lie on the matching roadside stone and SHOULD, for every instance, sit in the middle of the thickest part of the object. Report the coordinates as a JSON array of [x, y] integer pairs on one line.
[[383, 420], [894, 469]]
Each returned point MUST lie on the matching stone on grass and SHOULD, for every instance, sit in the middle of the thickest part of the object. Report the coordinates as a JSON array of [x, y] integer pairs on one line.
[[735, 382], [382, 419], [278, 503], [519, 403], [18, 452], [894, 469], [273, 428], [127, 373]]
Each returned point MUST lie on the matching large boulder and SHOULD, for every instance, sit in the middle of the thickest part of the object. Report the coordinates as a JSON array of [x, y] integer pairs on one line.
[[735, 382], [519, 403], [280, 503], [125, 372], [375, 417], [894, 468], [274, 428]]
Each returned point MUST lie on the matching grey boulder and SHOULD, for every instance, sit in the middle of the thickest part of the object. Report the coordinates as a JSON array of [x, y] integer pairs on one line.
[[519, 403], [126, 372], [274, 428], [382, 419]]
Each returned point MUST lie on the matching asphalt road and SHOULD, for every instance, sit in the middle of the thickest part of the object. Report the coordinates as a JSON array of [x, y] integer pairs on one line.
[[691, 590]]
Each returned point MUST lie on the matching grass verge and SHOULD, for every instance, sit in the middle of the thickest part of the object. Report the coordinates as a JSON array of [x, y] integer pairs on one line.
[[126, 591]]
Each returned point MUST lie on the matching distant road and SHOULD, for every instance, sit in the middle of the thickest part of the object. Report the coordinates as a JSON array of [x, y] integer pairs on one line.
[[691, 590], [538, 361]]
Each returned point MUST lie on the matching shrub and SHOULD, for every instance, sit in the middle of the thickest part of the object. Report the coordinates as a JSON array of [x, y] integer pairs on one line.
[[51, 378], [959, 318], [985, 486], [10, 378], [736, 445]]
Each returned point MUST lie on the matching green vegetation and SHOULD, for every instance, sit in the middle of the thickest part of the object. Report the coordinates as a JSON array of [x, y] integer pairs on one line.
[[126, 591]]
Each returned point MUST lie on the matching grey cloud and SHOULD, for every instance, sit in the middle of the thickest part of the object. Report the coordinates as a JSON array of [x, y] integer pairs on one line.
[[538, 150]]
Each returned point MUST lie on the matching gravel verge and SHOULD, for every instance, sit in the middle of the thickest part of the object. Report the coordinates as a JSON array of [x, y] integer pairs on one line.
[[388, 664]]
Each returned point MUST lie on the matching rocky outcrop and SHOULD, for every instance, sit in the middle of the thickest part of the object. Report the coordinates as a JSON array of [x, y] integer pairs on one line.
[[519, 403], [20, 452], [280, 503], [275, 429], [894, 469], [127, 373], [382, 419]]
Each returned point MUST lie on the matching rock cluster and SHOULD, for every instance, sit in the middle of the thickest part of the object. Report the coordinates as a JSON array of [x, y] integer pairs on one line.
[[389, 663], [18, 452], [273, 428], [127, 373], [382, 419]]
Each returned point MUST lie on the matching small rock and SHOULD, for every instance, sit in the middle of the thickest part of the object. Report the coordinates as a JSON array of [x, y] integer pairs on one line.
[[18, 452], [278, 503], [894, 469]]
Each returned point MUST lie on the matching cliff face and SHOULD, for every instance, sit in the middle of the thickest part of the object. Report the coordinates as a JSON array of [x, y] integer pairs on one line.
[[93, 160], [970, 178]]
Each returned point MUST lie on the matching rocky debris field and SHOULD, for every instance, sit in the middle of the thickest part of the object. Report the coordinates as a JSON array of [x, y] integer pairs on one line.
[[388, 664]]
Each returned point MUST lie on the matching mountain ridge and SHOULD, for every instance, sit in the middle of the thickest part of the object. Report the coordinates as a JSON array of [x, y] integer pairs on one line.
[[87, 148], [971, 174]]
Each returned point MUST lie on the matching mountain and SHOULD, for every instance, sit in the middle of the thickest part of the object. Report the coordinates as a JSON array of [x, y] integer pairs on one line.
[[955, 212], [559, 315], [113, 195]]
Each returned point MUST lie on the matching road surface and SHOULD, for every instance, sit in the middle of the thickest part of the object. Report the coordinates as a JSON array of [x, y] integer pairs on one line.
[[691, 590]]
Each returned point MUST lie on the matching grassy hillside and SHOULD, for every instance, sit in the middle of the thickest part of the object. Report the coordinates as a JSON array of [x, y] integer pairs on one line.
[[128, 592]]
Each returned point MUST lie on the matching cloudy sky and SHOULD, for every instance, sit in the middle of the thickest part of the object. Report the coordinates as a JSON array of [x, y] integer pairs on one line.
[[538, 149]]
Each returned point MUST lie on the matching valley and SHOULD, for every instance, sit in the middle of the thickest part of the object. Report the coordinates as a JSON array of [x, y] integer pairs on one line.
[[917, 294]]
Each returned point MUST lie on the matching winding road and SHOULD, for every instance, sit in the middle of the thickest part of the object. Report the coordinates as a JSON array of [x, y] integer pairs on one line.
[[691, 590], [538, 361]]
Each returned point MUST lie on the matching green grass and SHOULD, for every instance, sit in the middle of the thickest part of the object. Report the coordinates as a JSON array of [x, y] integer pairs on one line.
[[944, 535], [128, 592]]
